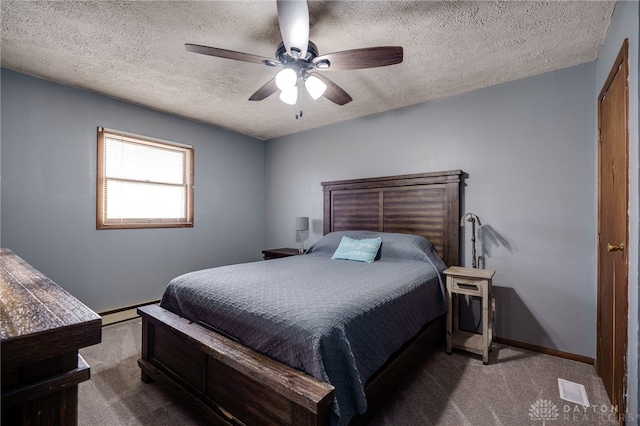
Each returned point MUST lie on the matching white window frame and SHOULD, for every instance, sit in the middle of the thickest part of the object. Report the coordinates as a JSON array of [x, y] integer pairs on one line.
[[103, 222]]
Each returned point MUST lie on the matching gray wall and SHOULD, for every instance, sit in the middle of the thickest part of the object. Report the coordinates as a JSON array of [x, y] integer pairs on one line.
[[529, 149], [624, 24], [49, 195]]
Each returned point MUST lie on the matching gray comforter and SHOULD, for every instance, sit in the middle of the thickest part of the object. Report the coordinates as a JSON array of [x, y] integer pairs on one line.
[[336, 320]]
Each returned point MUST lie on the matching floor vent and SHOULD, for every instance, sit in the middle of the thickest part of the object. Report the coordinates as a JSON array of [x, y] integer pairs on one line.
[[573, 392]]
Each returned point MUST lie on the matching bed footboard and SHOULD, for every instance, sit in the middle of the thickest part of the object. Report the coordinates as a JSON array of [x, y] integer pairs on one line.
[[225, 379]]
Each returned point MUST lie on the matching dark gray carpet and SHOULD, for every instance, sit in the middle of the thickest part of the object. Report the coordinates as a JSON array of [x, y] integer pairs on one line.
[[454, 389]]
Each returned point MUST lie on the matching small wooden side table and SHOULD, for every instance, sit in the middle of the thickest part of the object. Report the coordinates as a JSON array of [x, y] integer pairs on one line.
[[472, 282], [279, 252]]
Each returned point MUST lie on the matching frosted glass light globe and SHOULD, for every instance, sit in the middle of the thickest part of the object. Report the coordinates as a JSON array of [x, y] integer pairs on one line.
[[286, 78], [315, 86], [289, 95]]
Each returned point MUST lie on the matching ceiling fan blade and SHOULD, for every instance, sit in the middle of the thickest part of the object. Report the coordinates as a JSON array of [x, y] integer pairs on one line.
[[334, 92], [368, 57], [293, 16], [268, 89], [224, 53]]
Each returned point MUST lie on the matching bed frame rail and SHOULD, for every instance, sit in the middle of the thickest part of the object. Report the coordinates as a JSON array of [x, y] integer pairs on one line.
[[216, 371]]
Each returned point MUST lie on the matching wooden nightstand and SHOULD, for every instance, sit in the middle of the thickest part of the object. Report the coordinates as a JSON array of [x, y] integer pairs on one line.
[[472, 282], [280, 252]]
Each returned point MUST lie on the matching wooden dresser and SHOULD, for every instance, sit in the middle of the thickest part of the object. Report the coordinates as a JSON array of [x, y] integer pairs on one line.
[[41, 328]]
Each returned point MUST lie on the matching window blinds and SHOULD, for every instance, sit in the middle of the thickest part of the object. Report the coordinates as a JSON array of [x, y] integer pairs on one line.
[[145, 181]]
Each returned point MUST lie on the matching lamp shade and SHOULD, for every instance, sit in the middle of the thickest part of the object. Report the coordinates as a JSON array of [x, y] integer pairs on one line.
[[302, 223]]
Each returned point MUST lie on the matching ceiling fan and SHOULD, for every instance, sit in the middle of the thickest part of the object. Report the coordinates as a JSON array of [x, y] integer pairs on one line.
[[300, 60]]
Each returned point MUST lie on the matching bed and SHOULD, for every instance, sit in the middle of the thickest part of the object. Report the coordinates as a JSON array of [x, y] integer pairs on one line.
[[232, 381]]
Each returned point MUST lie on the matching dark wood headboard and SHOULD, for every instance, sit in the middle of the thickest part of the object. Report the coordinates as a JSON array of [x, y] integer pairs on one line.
[[426, 204]]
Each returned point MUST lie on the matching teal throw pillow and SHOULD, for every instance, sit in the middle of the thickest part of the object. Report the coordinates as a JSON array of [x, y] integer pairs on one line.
[[359, 250]]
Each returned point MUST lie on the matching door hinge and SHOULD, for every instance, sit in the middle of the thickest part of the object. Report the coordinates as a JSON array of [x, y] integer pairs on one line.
[[599, 136], [598, 239]]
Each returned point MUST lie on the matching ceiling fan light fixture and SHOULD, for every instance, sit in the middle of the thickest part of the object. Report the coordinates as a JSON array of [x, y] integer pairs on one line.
[[286, 79], [315, 86], [298, 57], [289, 95]]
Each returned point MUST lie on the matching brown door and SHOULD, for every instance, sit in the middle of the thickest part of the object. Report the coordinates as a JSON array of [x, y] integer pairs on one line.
[[613, 224]]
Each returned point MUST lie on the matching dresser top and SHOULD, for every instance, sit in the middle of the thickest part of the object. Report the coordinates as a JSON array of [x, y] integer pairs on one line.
[[30, 303]]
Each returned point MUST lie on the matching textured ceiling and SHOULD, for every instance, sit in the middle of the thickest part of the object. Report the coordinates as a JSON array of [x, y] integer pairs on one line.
[[134, 51]]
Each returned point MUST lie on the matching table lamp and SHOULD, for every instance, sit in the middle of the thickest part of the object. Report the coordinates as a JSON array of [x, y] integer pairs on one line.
[[302, 224]]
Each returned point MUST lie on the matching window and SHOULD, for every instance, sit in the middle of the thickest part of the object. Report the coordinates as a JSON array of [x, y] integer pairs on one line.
[[143, 183]]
